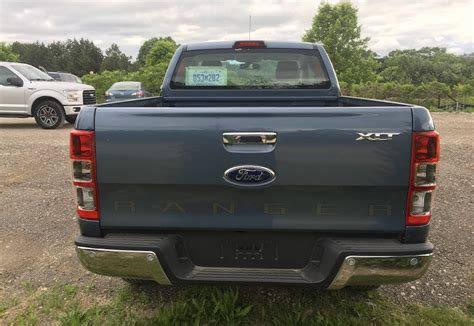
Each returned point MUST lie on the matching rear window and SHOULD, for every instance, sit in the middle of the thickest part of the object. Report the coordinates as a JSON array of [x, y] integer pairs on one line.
[[125, 86], [250, 69]]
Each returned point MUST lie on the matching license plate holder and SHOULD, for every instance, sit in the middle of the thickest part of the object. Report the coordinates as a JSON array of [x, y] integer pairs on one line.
[[242, 251]]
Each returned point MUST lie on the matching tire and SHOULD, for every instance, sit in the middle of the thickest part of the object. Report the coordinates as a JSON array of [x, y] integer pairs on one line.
[[71, 119], [49, 115]]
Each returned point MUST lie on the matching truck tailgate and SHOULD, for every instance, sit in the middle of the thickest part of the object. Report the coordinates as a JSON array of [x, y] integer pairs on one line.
[[163, 168]]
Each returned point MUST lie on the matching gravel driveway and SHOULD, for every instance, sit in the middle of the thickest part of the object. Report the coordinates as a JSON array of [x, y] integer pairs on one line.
[[37, 227]]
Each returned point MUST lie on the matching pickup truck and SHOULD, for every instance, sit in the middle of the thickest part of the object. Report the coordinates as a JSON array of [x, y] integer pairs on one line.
[[26, 91], [251, 167]]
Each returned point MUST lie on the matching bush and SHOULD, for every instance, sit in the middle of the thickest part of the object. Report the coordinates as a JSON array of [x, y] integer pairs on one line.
[[425, 94], [104, 80], [6, 53], [152, 77]]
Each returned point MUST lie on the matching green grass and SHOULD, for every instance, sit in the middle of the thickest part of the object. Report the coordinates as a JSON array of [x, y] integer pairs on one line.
[[69, 305]]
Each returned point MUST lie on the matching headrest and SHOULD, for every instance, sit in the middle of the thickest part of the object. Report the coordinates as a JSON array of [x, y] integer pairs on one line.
[[287, 70]]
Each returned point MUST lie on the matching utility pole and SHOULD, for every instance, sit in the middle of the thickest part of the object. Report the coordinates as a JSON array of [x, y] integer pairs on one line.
[[250, 25]]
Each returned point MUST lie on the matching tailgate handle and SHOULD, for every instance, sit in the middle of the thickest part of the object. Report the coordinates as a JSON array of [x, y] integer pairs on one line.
[[249, 138]]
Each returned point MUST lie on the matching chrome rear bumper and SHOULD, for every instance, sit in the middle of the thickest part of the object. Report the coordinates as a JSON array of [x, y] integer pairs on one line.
[[355, 270], [376, 270], [123, 263]]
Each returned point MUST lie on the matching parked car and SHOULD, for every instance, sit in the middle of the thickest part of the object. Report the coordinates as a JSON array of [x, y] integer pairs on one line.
[[65, 77], [26, 91], [125, 91], [251, 167]]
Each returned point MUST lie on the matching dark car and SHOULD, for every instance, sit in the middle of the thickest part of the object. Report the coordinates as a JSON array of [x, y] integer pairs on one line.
[[126, 91], [65, 77]]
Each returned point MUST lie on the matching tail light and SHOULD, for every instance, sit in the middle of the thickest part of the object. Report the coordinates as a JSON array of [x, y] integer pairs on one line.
[[424, 160], [84, 178], [139, 94], [249, 45]]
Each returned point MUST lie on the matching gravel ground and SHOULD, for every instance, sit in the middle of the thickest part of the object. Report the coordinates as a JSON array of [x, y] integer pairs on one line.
[[37, 227]]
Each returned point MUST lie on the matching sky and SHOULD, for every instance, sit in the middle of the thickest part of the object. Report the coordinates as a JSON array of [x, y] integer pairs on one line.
[[390, 24]]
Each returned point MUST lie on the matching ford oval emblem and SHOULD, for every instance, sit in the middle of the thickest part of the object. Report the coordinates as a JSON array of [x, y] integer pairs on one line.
[[249, 175]]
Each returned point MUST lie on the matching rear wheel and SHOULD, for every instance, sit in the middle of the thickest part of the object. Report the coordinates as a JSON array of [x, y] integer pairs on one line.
[[71, 119], [49, 115]]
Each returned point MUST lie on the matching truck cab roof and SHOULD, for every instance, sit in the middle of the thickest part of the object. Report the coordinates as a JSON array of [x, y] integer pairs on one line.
[[230, 44]]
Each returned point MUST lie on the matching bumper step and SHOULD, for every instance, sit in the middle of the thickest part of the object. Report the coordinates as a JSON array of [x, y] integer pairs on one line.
[[253, 275]]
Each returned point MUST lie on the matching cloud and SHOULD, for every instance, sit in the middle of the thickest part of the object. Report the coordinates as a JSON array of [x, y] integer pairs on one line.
[[390, 24], [414, 24]]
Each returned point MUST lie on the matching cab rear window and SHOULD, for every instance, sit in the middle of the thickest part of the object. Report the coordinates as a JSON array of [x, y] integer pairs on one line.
[[250, 69]]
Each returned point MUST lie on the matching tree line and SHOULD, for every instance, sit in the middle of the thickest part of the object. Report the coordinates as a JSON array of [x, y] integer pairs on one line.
[[79, 57], [335, 26]]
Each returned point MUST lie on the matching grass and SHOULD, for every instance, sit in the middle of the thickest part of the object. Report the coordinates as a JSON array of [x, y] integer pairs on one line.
[[129, 305], [435, 109]]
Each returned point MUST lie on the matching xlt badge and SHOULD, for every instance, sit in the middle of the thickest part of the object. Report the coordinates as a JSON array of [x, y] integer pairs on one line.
[[249, 175], [377, 135]]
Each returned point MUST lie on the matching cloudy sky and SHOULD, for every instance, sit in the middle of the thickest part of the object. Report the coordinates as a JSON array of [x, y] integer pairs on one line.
[[390, 24]]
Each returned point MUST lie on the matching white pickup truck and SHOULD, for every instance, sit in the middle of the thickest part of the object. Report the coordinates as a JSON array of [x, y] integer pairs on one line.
[[26, 91]]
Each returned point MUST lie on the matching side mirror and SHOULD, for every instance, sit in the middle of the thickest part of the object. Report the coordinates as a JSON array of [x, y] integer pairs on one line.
[[15, 81]]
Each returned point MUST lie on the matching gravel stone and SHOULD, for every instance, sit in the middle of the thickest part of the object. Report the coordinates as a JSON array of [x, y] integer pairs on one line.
[[37, 223]]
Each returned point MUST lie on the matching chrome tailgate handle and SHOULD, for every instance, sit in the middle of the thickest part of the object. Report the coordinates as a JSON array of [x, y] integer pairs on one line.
[[249, 138]]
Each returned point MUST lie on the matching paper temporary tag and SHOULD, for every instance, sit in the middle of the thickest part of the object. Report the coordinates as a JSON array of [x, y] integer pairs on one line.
[[206, 76]]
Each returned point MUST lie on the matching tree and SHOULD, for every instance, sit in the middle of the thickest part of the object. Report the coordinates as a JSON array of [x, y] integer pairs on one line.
[[144, 50], [115, 59], [427, 64], [58, 57], [161, 52], [76, 56], [336, 27], [83, 57], [6, 53], [35, 54], [156, 63], [146, 47]]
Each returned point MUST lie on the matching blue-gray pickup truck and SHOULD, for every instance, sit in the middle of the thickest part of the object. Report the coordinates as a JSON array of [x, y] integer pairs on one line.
[[251, 167]]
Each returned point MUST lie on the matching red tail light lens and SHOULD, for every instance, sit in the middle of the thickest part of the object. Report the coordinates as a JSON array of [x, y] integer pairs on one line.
[[426, 146], [81, 144], [249, 45], [82, 153], [424, 158], [139, 94]]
